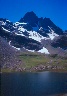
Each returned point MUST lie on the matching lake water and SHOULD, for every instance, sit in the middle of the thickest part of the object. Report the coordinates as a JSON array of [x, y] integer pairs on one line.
[[33, 84]]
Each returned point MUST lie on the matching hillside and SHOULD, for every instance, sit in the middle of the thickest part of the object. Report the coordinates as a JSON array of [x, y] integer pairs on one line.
[[32, 44], [8, 56], [13, 60]]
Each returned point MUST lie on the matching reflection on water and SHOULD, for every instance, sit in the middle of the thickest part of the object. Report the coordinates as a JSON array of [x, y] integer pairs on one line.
[[33, 84]]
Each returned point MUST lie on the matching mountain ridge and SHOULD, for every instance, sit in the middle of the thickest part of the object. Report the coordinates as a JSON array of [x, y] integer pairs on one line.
[[30, 31], [32, 44]]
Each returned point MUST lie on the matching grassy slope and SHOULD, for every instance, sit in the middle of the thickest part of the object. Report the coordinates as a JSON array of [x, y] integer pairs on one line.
[[34, 59]]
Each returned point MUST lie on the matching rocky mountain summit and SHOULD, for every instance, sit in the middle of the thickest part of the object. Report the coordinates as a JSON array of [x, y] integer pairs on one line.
[[34, 34]]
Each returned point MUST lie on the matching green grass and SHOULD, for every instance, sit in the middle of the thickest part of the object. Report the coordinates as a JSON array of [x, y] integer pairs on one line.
[[34, 59], [30, 60], [6, 70]]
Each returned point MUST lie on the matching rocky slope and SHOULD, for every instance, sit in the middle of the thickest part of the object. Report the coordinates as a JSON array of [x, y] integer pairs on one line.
[[8, 56]]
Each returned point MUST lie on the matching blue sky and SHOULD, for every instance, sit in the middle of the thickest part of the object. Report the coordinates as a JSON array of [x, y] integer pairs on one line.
[[56, 10]]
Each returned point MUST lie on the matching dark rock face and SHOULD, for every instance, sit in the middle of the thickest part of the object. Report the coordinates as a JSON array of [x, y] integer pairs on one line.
[[60, 42], [47, 22], [34, 21], [28, 27], [31, 18], [30, 44]]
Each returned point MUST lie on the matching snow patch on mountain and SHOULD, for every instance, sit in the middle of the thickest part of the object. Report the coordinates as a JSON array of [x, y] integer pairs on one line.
[[41, 28], [44, 50], [7, 20], [16, 48], [32, 34], [30, 50], [21, 29], [52, 34], [9, 42], [13, 46], [5, 29], [2, 23], [36, 36], [18, 23], [19, 34]]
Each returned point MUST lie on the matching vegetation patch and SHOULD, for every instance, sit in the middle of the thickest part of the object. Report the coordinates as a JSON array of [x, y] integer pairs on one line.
[[34, 60], [38, 62]]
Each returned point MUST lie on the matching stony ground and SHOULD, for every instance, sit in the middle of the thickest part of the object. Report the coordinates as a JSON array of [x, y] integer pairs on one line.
[[8, 56]]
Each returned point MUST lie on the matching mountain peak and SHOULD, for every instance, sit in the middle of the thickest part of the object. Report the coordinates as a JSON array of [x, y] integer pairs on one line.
[[33, 33], [30, 14], [30, 18]]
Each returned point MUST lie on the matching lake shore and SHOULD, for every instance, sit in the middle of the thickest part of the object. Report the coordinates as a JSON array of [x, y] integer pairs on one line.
[[59, 95], [30, 70]]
